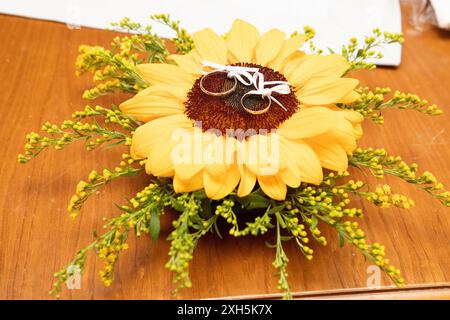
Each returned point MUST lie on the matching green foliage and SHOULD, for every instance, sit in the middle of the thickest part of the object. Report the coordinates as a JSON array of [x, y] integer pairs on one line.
[[371, 103], [382, 196], [183, 40], [280, 263], [362, 56], [96, 181], [136, 215], [189, 228], [380, 163], [310, 33], [114, 69], [94, 133], [142, 44], [109, 116]]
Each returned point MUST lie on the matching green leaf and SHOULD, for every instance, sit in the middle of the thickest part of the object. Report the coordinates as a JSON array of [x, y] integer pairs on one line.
[[153, 47], [177, 205], [216, 228], [344, 51], [276, 209], [206, 211], [359, 53], [123, 209], [280, 220], [254, 200], [155, 225], [269, 245], [200, 194], [314, 222], [341, 238], [355, 165]]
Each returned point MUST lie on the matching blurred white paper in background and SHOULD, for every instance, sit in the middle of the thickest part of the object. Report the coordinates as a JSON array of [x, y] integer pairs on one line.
[[442, 12], [334, 21]]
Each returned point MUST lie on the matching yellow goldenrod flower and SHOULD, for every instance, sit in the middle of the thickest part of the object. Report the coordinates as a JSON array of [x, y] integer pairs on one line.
[[81, 186]]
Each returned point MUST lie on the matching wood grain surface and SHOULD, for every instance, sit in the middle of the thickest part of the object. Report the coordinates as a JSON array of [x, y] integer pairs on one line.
[[37, 236]]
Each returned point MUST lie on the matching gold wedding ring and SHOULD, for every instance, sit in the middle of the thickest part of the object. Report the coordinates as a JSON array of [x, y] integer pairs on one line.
[[217, 94], [254, 112]]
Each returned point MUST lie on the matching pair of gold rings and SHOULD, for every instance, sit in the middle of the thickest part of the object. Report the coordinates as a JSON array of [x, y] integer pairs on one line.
[[231, 90]]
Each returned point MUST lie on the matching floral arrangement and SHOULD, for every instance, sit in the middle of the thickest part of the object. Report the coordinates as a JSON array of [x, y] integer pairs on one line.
[[229, 125]]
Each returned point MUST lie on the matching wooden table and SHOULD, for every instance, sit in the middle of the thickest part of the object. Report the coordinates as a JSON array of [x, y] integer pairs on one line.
[[37, 236]]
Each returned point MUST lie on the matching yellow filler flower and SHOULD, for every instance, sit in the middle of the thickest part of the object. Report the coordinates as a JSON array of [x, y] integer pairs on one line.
[[311, 133]]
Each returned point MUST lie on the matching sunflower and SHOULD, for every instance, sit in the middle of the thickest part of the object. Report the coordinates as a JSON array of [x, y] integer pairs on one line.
[[311, 133]]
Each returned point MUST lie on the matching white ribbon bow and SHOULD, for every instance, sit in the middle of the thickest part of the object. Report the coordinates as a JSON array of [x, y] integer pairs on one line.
[[244, 76], [281, 87]]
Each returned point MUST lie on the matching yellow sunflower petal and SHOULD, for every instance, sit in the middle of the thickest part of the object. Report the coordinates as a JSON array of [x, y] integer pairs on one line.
[[289, 46], [269, 46], [186, 171], [218, 186], [358, 130], [289, 170], [247, 183], [161, 73], [190, 62], [176, 90], [189, 185], [218, 153], [210, 46], [324, 90], [350, 97], [343, 134], [331, 155], [318, 66], [291, 63], [352, 116], [146, 108], [355, 119], [260, 154], [308, 122], [248, 152], [242, 40], [160, 129], [301, 161], [273, 186], [187, 154], [160, 163]]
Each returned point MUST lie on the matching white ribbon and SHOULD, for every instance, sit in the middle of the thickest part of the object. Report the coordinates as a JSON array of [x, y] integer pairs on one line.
[[244, 76], [281, 87]]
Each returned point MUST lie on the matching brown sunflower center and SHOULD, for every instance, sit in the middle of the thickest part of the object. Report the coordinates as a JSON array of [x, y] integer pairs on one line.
[[227, 113]]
